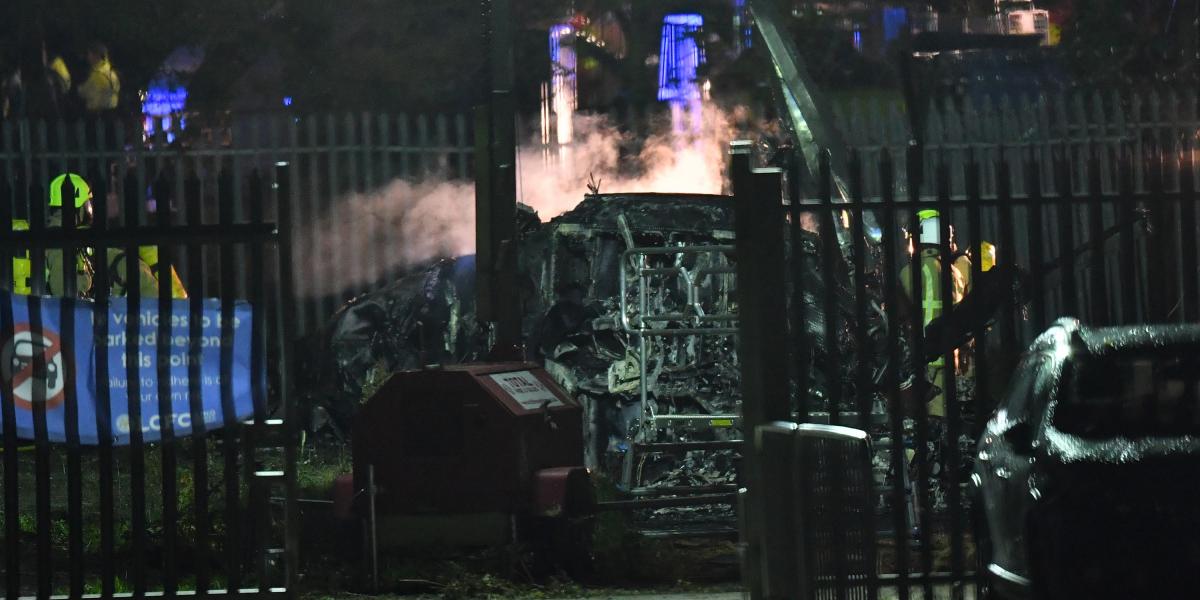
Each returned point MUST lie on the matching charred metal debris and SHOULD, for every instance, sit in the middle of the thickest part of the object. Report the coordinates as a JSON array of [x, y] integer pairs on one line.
[[629, 301]]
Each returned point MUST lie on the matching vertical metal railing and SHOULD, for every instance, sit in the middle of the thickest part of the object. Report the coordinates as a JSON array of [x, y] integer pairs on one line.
[[143, 400], [1088, 242]]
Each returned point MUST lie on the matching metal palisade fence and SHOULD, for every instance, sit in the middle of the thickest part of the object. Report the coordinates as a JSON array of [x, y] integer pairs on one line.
[[1105, 232], [346, 239], [985, 124], [146, 320]]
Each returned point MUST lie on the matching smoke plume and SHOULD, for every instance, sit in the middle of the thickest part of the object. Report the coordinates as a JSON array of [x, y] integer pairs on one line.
[[372, 236]]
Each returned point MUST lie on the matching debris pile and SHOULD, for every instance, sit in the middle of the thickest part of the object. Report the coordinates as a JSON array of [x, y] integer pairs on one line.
[[570, 287]]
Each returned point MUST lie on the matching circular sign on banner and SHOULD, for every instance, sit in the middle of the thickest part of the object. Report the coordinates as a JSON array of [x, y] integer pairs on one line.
[[17, 366]]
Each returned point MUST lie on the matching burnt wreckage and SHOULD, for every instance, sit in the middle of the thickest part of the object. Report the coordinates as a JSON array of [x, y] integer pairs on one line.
[[629, 301]]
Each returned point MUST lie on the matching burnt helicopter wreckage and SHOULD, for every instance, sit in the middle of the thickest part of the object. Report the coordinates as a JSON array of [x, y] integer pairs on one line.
[[629, 302]]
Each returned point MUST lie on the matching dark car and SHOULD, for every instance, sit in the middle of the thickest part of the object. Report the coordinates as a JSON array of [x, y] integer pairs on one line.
[[1088, 473]]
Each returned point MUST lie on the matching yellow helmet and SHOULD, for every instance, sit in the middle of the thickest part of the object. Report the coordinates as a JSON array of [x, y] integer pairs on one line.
[[929, 222], [83, 192]]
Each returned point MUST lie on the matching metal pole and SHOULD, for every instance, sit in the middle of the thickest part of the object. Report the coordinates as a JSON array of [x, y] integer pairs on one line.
[[496, 186], [372, 526], [762, 344]]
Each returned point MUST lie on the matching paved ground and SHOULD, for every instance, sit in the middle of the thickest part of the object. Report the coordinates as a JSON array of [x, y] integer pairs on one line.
[[939, 593], [716, 596]]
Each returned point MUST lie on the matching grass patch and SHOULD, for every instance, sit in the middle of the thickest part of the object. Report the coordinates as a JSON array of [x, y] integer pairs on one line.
[[318, 467]]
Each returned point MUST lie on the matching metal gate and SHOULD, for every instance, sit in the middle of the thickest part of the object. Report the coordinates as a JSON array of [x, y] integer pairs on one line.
[[840, 343], [148, 440]]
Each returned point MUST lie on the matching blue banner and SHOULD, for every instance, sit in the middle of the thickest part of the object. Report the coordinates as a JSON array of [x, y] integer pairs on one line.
[[18, 376]]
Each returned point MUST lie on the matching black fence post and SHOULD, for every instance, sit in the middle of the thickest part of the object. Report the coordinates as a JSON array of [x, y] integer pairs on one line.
[[285, 299], [229, 439], [200, 437], [1065, 203], [37, 202], [66, 313], [12, 504], [864, 386], [101, 285], [952, 418], [1159, 275], [1006, 252], [979, 359], [762, 351], [833, 273], [1126, 217], [899, 496], [134, 189], [1098, 310], [163, 272], [1037, 253], [921, 387], [1189, 249], [802, 350]]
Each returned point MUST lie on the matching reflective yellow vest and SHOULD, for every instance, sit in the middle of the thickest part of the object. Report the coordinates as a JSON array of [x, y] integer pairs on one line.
[[22, 272], [149, 255], [931, 283], [932, 305], [22, 266], [147, 273]]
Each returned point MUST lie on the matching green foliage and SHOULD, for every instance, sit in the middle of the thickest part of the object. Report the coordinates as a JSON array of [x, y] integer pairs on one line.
[[318, 469], [92, 586], [27, 524]]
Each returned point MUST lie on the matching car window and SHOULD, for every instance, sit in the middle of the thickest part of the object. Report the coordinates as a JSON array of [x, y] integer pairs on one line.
[[1133, 394], [1020, 402]]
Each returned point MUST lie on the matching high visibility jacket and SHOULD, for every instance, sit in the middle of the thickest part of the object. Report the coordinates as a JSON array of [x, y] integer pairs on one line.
[[54, 272], [59, 68], [22, 268], [932, 307], [931, 283], [102, 88], [53, 277], [147, 268], [22, 271], [149, 255]]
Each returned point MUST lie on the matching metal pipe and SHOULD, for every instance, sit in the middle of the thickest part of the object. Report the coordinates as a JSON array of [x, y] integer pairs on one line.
[[689, 331], [677, 250], [697, 417]]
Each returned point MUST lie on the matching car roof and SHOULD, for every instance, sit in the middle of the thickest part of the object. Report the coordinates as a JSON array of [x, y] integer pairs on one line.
[[1069, 341], [1101, 341], [1085, 341]]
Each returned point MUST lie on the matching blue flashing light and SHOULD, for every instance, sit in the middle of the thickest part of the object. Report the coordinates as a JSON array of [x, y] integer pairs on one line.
[[557, 33], [741, 24], [162, 99], [684, 19], [680, 56], [170, 137], [895, 19], [287, 100], [858, 40]]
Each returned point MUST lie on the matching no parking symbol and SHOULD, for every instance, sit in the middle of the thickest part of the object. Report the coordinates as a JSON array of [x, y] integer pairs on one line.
[[22, 373]]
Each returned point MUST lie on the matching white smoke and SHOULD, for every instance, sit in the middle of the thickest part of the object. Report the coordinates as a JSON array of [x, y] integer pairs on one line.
[[666, 162], [372, 235]]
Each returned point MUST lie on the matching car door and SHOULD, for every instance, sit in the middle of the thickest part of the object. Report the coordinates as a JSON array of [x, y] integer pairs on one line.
[[1004, 462]]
